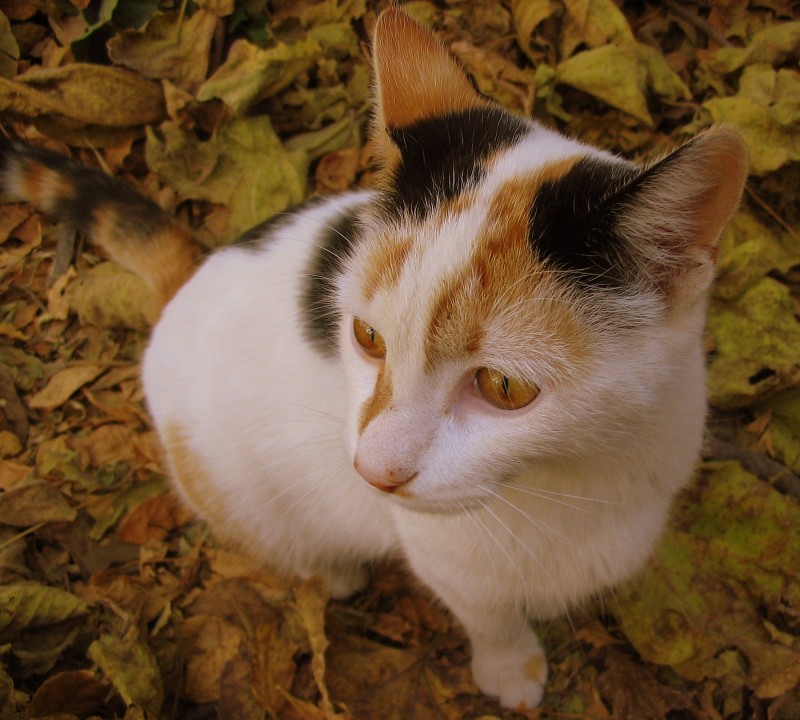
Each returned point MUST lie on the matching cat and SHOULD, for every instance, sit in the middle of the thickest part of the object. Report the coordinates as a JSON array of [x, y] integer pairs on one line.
[[490, 365]]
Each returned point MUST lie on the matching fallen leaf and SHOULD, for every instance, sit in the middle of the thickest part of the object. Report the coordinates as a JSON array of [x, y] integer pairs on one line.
[[38, 502], [128, 663], [63, 385], [31, 606], [209, 643], [172, 47], [756, 344], [106, 295], [153, 519], [244, 165], [611, 73], [774, 45], [88, 94], [73, 691], [701, 596], [251, 73]]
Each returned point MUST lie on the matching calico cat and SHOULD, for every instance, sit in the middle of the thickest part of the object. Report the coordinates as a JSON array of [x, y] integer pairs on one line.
[[491, 365]]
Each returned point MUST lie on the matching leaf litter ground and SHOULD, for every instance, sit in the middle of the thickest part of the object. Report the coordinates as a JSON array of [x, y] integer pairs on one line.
[[116, 603]]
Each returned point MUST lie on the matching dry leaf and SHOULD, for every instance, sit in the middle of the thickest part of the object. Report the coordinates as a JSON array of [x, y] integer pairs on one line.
[[63, 384]]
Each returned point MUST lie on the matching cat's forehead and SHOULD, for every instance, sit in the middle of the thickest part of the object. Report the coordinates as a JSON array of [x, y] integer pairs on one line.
[[462, 280]]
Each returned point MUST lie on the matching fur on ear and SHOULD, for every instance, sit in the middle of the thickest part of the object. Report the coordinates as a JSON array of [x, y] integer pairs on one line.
[[674, 212], [416, 78]]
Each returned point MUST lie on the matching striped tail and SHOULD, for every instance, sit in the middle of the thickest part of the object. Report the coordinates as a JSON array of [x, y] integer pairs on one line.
[[134, 231]]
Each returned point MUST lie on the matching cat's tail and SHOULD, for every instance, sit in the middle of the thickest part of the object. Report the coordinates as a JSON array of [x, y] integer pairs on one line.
[[132, 230]]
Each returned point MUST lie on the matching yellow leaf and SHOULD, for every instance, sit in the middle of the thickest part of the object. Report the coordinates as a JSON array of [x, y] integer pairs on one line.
[[612, 74], [774, 45], [251, 73], [88, 94], [528, 14], [595, 23], [170, 47], [243, 165], [108, 296]]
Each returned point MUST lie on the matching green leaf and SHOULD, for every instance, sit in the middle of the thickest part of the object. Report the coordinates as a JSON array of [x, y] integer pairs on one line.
[[749, 250], [698, 600], [756, 344]]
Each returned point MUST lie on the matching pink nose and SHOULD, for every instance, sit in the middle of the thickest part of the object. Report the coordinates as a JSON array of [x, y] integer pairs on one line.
[[388, 481]]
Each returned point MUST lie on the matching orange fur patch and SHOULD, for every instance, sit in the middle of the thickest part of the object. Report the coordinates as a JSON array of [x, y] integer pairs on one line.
[[499, 275], [189, 474], [378, 401], [44, 187], [536, 669], [385, 265], [165, 260]]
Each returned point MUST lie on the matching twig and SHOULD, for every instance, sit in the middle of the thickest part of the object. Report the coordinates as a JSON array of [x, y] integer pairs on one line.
[[698, 22], [763, 467], [777, 218]]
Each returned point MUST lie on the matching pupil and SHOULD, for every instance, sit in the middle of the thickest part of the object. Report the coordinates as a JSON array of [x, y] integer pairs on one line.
[[506, 382], [371, 334]]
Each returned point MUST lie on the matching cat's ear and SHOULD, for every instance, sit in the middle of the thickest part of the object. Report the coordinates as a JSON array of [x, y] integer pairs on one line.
[[416, 78], [676, 210]]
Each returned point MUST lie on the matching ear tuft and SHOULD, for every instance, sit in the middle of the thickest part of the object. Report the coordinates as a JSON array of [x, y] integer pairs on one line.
[[675, 211]]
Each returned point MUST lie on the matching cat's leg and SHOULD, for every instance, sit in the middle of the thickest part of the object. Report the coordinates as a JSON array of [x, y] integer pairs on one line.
[[508, 661], [484, 594], [342, 579]]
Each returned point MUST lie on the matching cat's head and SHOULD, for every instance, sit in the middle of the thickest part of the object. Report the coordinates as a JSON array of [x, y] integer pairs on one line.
[[514, 296]]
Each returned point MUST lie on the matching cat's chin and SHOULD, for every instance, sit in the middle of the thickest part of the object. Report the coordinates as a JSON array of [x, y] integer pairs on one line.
[[439, 506]]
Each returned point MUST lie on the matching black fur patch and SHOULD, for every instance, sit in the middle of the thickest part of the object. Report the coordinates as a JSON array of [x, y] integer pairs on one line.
[[573, 223], [441, 157], [334, 246]]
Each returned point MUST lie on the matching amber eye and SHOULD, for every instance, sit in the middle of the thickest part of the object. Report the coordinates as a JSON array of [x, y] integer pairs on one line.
[[505, 392], [369, 339]]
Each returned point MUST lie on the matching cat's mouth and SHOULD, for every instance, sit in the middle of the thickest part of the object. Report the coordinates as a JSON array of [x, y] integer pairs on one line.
[[404, 496]]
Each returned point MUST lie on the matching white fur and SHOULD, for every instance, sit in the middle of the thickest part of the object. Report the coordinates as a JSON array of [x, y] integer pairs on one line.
[[514, 515]]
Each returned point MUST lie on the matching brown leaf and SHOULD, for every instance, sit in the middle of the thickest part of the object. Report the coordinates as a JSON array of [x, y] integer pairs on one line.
[[87, 94], [153, 519], [63, 384], [209, 642], [171, 47], [71, 691], [635, 693], [31, 504]]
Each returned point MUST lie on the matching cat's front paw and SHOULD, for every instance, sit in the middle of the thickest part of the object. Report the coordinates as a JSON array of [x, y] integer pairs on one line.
[[515, 675], [344, 581]]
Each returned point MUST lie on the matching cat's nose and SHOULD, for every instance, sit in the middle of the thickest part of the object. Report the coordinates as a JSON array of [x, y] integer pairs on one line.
[[387, 480]]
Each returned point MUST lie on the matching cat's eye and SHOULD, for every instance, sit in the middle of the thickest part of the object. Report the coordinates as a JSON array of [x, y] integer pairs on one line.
[[503, 391], [369, 338]]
